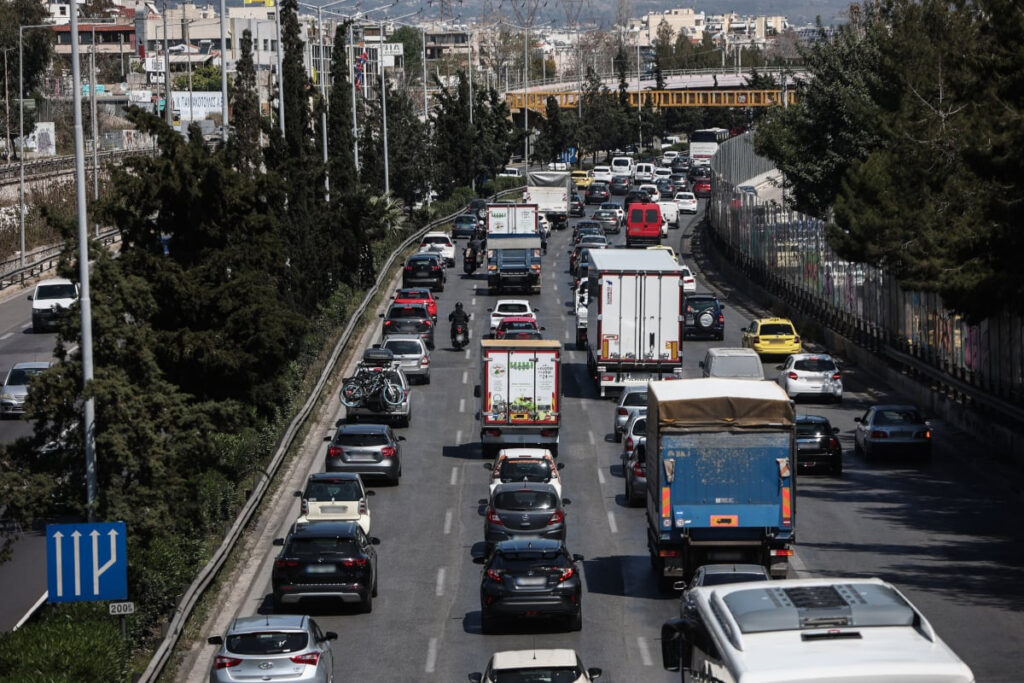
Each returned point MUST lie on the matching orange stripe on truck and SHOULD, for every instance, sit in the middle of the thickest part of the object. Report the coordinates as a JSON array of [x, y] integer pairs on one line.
[[787, 506]]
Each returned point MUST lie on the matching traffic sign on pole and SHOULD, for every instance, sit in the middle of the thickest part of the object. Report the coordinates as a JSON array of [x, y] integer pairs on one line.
[[86, 562], [392, 49]]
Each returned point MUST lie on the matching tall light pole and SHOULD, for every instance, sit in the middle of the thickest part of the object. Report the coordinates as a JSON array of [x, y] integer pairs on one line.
[[223, 71], [280, 73], [167, 70], [21, 134], [526, 104], [384, 98], [83, 270]]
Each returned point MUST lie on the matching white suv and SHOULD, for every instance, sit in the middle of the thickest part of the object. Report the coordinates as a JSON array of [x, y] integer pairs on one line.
[[442, 242], [513, 307], [49, 299]]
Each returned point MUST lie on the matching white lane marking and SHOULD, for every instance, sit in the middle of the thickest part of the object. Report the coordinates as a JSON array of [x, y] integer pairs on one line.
[[600, 476], [467, 353], [439, 587], [447, 522], [567, 335], [462, 405], [473, 301], [611, 522], [431, 656], [590, 436], [455, 476], [645, 651], [465, 376], [556, 287], [458, 437], [7, 336]]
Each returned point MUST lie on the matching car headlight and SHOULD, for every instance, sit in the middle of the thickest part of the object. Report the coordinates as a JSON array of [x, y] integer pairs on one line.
[[7, 397]]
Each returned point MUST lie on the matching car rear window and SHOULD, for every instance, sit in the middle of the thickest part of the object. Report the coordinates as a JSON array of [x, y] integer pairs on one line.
[[414, 294], [525, 500], [524, 470], [267, 643], [604, 214], [45, 292], [813, 428], [776, 328], [403, 347], [635, 398], [436, 239], [651, 216], [466, 219], [519, 325], [815, 365], [636, 215], [737, 367], [545, 674], [423, 259], [895, 417], [407, 312], [360, 440], [343, 489], [731, 577], [527, 560], [512, 309], [314, 547]]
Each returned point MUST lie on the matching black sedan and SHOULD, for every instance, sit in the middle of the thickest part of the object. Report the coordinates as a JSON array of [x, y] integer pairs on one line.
[[620, 185], [597, 193], [524, 510], [424, 270], [817, 446], [325, 561], [534, 579], [576, 206]]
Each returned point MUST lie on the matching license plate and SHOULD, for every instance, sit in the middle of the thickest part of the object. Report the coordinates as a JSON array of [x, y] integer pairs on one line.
[[528, 581], [320, 568], [902, 435], [814, 387], [334, 509], [776, 341]]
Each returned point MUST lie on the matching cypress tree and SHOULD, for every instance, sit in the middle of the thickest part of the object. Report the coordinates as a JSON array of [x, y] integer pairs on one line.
[[244, 148]]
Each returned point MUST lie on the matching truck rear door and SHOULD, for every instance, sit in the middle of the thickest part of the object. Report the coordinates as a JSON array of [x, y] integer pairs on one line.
[[521, 386], [640, 317]]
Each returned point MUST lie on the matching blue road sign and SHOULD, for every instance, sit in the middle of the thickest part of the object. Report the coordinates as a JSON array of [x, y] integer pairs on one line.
[[86, 562], [569, 155]]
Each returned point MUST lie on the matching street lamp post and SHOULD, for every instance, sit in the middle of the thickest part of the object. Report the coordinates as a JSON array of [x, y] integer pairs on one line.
[[167, 70], [280, 72], [384, 98], [223, 71], [21, 134]]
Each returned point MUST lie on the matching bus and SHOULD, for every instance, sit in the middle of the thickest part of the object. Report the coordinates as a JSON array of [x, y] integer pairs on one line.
[[704, 143]]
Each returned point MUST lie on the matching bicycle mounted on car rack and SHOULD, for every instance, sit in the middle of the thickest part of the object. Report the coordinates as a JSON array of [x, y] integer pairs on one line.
[[371, 385]]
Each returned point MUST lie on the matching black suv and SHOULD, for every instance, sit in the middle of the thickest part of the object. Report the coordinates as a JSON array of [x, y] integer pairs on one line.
[[597, 193], [817, 445], [703, 316], [558, 220], [424, 270], [620, 185], [530, 578], [635, 197], [325, 561]]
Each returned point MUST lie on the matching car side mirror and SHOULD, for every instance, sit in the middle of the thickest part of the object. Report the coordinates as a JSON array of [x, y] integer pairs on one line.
[[560, 466], [857, 419], [375, 346], [298, 494], [543, 328], [374, 540], [700, 363], [215, 640], [480, 560], [679, 586], [340, 422], [488, 466], [481, 501], [835, 430], [594, 673], [476, 677], [437, 298], [330, 635], [566, 501], [279, 541], [380, 315], [722, 306], [30, 299], [490, 310], [577, 557], [371, 493], [401, 438]]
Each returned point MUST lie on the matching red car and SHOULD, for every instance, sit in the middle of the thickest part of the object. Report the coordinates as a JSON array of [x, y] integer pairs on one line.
[[517, 327], [418, 295], [702, 187]]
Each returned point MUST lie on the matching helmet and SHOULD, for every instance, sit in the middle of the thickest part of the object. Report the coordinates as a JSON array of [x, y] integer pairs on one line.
[[458, 305]]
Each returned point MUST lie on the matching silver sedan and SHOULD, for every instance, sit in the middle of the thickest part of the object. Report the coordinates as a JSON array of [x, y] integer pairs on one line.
[[892, 430]]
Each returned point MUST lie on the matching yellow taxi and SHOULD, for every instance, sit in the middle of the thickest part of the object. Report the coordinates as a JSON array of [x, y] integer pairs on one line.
[[665, 247], [583, 179], [772, 337]]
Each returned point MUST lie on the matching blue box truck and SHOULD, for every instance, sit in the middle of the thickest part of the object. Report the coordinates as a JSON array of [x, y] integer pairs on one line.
[[720, 475]]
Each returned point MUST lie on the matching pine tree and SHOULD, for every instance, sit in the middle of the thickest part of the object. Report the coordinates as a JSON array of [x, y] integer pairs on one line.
[[340, 147], [244, 148]]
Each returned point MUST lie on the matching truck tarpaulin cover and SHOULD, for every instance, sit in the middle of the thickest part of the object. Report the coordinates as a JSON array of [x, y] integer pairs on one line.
[[548, 179], [694, 405]]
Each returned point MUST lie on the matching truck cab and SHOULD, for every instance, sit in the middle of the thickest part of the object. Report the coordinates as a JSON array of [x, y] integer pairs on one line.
[[514, 263]]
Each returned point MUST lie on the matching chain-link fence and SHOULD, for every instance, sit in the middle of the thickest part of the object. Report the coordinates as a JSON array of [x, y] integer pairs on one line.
[[788, 253]]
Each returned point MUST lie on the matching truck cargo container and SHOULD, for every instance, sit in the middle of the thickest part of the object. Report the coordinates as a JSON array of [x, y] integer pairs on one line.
[[550, 191], [512, 219]]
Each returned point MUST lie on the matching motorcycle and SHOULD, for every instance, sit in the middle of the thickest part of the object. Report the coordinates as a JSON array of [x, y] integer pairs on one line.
[[460, 336], [469, 260]]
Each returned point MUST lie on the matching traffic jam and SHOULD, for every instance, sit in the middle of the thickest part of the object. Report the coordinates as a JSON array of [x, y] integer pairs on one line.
[[563, 457]]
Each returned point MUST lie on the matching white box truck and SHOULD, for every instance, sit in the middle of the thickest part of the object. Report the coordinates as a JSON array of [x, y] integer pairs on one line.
[[549, 190], [634, 317], [512, 219], [521, 394]]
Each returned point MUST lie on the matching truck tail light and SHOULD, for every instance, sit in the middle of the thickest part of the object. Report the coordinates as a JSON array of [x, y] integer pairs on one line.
[[548, 432], [926, 434], [669, 552], [781, 552], [493, 432]]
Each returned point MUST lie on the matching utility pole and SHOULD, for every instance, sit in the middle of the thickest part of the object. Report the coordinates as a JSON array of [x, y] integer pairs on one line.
[[384, 109], [7, 107], [224, 71], [95, 126], [188, 51], [352, 83], [167, 69], [280, 72]]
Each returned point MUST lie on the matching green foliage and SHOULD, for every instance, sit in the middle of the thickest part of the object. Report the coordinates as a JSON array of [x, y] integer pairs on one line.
[[205, 77], [454, 138], [37, 47], [244, 147], [340, 140], [412, 51], [75, 642]]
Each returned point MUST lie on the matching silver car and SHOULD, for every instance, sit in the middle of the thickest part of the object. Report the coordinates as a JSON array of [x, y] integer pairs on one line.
[[373, 451], [15, 391], [892, 430], [811, 374], [273, 647], [410, 351], [634, 471], [636, 431], [631, 401]]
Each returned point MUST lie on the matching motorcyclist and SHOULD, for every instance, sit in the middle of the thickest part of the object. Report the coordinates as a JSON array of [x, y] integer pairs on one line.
[[458, 317], [477, 245]]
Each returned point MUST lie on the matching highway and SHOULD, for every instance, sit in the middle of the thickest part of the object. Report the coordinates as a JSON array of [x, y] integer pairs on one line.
[[944, 532]]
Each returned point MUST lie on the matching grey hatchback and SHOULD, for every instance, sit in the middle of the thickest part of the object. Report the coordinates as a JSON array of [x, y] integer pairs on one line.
[[524, 510], [16, 385], [411, 352], [632, 400], [273, 647], [370, 450]]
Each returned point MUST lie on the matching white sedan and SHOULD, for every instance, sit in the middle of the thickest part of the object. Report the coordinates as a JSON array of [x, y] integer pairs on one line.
[[689, 282], [441, 242], [652, 190], [525, 464], [811, 374], [686, 202], [535, 665], [506, 307]]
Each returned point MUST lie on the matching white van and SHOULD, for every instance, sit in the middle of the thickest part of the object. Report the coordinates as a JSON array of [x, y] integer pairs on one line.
[[732, 363], [623, 166], [644, 173], [827, 630]]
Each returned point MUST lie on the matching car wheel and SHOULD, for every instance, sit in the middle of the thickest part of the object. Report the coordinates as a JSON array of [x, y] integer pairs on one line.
[[857, 450], [426, 379], [576, 621], [374, 593], [366, 606], [618, 436]]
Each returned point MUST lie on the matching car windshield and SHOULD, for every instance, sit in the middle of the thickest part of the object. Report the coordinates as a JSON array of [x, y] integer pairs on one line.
[[526, 500], [48, 292], [407, 312], [314, 547], [403, 347], [266, 643], [530, 559], [512, 309], [22, 376], [776, 329], [547, 674], [812, 428], [525, 470], [737, 366], [815, 365], [896, 416], [343, 489], [359, 440], [635, 398]]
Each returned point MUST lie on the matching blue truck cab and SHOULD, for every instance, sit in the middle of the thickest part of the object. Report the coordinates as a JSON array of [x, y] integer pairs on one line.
[[720, 477]]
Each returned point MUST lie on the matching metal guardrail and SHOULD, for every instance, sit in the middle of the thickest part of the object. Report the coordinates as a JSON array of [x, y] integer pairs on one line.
[[43, 261], [206, 575], [12, 172]]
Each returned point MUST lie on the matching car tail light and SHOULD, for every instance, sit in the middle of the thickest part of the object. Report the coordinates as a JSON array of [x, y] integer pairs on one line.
[[387, 323], [638, 469], [334, 451], [356, 562], [721, 319], [281, 564], [435, 267], [428, 323], [304, 507], [548, 432], [493, 518], [566, 574], [879, 435], [310, 658], [556, 518], [672, 553], [493, 432], [222, 662], [837, 376], [622, 411], [425, 360], [793, 375], [362, 507], [796, 340], [755, 340], [926, 434], [629, 444], [833, 442], [388, 452], [495, 574], [408, 267]]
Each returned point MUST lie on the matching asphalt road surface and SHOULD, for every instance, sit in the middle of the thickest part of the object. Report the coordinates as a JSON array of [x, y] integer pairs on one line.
[[946, 532]]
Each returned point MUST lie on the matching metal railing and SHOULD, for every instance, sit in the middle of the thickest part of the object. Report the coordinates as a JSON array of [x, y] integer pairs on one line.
[[43, 260], [206, 575], [11, 172], [788, 253]]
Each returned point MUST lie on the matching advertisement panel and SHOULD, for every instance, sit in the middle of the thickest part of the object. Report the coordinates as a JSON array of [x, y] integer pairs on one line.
[[522, 387], [199, 106], [496, 387], [511, 219]]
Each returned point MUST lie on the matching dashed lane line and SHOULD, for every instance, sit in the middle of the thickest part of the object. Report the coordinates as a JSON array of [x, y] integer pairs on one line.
[[439, 586], [455, 476], [447, 522], [431, 656], [645, 651], [612, 524]]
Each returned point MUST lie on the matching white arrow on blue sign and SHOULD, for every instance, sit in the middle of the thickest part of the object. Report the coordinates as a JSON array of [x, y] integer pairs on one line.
[[86, 562]]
